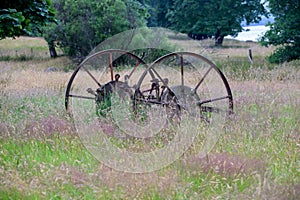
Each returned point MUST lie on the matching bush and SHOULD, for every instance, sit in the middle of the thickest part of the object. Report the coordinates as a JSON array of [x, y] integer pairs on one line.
[[287, 53]]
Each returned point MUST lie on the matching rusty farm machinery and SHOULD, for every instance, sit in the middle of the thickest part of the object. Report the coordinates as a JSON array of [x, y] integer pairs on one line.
[[120, 85]]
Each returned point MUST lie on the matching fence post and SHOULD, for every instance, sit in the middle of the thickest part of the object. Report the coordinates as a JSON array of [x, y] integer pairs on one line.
[[250, 56]]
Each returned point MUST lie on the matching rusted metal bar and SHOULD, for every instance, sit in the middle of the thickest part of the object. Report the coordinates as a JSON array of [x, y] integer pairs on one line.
[[136, 65], [202, 79], [91, 75], [150, 101], [81, 97], [111, 66], [181, 63], [212, 100]]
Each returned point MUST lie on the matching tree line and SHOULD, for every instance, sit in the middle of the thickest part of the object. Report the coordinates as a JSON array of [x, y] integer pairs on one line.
[[77, 26]]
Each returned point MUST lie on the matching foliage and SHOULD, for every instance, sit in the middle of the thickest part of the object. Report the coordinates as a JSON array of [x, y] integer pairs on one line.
[[285, 31], [158, 12], [216, 18], [25, 17], [86, 23]]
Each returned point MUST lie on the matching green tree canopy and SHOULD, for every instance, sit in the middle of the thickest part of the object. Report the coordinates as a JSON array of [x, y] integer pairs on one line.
[[24, 17], [158, 12], [83, 24], [285, 31], [216, 18]]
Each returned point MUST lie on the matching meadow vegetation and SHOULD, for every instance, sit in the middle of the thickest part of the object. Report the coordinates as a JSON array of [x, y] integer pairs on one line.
[[256, 157]]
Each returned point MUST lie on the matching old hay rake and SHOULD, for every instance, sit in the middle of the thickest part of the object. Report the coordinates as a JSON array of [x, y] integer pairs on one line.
[[139, 97]]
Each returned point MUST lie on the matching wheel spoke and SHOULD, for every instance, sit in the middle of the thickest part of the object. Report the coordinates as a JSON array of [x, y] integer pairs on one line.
[[91, 75], [202, 79], [134, 68], [212, 100], [159, 77], [111, 66], [136, 65], [81, 97], [181, 63]]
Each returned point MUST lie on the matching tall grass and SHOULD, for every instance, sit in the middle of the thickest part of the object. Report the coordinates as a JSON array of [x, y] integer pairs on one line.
[[256, 157]]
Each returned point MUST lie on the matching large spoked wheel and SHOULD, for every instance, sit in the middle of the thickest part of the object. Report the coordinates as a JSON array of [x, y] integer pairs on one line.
[[187, 83], [99, 78]]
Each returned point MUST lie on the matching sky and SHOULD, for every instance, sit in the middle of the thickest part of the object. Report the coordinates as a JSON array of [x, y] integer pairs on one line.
[[253, 34]]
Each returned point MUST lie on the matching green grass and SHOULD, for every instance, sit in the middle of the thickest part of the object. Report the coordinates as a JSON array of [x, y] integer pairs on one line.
[[264, 128]]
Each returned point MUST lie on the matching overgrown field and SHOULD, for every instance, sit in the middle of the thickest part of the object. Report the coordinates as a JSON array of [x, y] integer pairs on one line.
[[256, 157]]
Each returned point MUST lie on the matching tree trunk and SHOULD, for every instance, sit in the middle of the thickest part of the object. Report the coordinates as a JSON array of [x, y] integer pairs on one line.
[[219, 38], [52, 50]]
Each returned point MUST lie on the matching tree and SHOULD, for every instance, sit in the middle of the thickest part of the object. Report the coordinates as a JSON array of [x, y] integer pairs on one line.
[[83, 24], [24, 17], [158, 12], [285, 31], [216, 18]]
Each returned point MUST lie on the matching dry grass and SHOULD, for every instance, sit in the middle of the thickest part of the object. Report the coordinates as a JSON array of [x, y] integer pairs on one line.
[[23, 48], [30, 80], [230, 49], [23, 43]]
